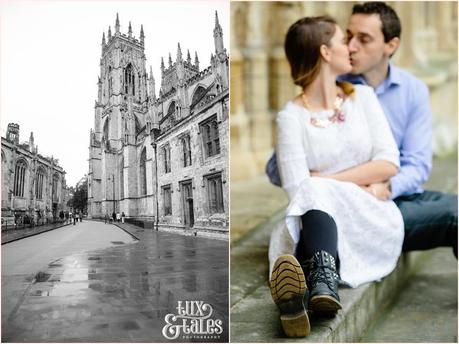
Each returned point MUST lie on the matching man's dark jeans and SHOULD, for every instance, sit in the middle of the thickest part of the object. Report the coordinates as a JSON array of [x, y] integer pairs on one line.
[[430, 220]]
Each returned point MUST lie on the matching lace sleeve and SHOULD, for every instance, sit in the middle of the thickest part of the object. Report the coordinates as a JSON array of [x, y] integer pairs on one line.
[[291, 154]]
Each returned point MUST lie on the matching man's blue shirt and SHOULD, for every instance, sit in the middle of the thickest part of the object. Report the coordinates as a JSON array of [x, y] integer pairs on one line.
[[405, 101]]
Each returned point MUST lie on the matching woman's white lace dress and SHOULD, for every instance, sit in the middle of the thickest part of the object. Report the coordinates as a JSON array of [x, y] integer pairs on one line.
[[370, 232]]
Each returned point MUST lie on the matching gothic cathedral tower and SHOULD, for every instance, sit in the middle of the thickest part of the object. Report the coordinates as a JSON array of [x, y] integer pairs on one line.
[[120, 115]]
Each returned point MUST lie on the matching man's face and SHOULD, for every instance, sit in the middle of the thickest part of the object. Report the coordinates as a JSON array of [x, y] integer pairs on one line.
[[366, 42]]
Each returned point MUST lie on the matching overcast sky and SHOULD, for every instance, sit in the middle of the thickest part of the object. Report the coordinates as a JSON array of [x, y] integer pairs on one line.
[[50, 53]]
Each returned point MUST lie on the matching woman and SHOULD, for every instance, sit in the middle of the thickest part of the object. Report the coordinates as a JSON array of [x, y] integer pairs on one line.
[[333, 142]]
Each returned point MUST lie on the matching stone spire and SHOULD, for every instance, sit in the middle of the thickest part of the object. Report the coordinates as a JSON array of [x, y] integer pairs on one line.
[[179, 53], [117, 24], [142, 35], [130, 30], [103, 39], [188, 57], [162, 65], [170, 60], [109, 33], [196, 61], [218, 27], [218, 36]]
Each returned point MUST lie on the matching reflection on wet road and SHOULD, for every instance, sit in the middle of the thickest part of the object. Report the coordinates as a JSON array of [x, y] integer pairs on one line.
[[119, 294]]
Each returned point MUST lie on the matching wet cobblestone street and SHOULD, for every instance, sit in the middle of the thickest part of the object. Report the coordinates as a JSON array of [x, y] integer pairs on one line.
[[120, 293]]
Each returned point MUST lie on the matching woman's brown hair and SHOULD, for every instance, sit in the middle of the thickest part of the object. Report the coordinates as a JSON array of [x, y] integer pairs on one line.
[[302, 47]]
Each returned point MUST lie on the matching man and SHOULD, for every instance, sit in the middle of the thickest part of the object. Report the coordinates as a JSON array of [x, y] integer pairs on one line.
[[430, 217]]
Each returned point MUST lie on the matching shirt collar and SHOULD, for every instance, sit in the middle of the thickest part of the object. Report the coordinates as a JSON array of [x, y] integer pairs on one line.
[[394, 78]]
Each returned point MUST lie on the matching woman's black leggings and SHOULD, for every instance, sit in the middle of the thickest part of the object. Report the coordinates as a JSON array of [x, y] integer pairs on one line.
[[319, 233]]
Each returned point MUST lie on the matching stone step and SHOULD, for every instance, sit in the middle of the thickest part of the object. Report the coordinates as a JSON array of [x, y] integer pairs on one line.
[[255, 318]]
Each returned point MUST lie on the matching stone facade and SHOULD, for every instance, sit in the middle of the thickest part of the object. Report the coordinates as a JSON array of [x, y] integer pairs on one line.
[[261, 82], [149, 155], [33, 186]]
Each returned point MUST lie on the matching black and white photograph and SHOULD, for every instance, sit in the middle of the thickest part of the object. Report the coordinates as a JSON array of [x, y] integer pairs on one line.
[[115, 171]]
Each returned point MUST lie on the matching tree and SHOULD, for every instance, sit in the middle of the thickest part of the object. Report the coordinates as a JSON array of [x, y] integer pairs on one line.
[[79, 195]]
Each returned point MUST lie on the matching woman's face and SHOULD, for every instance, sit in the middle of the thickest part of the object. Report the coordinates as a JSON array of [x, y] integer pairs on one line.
[[339, 53]]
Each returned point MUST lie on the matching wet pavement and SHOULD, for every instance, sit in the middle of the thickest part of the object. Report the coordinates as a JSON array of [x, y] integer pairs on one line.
[[10, 235], [121, 293]]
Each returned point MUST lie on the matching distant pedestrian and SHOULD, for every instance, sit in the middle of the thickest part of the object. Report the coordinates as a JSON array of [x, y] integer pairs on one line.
[[114, 216], [118, 217], [75, 218], [122, 217], [66, 217], [80, 215], [106, 217]]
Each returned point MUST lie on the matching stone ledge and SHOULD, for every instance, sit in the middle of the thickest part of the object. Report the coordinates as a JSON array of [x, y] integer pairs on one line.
[[255, 318]]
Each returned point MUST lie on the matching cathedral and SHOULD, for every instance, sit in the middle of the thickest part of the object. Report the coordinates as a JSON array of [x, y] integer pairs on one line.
[[161, 159], [33, 186]]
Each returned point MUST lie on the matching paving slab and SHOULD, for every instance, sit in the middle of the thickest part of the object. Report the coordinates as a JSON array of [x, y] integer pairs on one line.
[[429, 298], [121, 293]]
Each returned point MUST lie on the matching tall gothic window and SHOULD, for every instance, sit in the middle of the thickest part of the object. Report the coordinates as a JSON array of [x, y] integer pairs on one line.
[[143, 172], [129, 80], [106, 128], [215, 193], [39, 182], [110, 81], [122, 178], [166, 153], [210, 136], [171, 109], [19, 178], [167, 201], [186, 151]]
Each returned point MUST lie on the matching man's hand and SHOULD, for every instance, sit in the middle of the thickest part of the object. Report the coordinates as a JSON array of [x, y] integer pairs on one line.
[[379, 190], [315, 174]]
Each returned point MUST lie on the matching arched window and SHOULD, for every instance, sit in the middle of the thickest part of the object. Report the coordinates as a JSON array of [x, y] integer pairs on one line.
[[186, 151], [171, 109], [137, 125], [106, 128], [166, 153], [129, 80], [197, 95], [19, 178], [39, 182], [122, 178], [143, 172], [110, 81]]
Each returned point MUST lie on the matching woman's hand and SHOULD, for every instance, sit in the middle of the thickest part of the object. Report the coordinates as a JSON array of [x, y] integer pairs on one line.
[[378, 190]]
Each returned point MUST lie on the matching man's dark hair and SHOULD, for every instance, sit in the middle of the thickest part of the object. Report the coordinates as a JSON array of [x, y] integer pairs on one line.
[[391, 26]]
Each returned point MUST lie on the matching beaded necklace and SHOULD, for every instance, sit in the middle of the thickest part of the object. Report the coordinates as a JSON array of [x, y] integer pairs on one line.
[[338, 114]]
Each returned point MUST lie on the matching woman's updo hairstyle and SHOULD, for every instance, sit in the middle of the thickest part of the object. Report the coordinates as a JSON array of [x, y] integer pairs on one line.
[[302, 47]]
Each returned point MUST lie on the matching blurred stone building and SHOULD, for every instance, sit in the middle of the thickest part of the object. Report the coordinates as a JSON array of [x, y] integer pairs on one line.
[[261, 82], [161, 159], [33, 186]]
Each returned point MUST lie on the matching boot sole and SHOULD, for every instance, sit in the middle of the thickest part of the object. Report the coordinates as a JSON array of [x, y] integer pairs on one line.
[[288, 287], [324, 304]]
